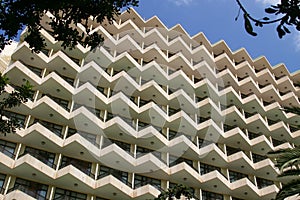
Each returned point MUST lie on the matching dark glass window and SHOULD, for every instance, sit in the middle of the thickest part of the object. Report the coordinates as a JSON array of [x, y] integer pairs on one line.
[[44, 156], [55, 128], [211, 196], [261, 183], [122, 176], [18, 118], [173, 160], [36, 190], [2, 180], [234, 176], [205, 168], [83, 166], [61, 194], [256, 158], [143, 180], [7, 148]]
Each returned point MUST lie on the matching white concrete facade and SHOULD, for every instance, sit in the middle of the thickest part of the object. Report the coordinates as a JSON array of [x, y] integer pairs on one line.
[[149, 108]]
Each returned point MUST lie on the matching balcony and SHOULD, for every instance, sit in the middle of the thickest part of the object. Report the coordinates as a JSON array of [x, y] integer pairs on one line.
[[83, 166], [247, 114], [205, 168], [202, 119], [175, 161], [62, 102], [120, 175], [293, 128], [89, 137], [127, 120], [204, 143], [174, 134], [35, 70], [252, 135], [95, 111], [261, 183], [173, 111], [141, 151], [234, 176], [140, 181], [33, 189], [122, 145], [257, 158], [227, 127], [43, 156], [266, 103], [16, 117], [55, 128], [67, 79]]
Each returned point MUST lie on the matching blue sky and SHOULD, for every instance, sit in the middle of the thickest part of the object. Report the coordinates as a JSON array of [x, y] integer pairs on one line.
[[215, 18]]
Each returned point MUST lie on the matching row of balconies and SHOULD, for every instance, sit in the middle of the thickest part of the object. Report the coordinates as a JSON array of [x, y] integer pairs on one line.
[[124, 177], [23, 188], [128, 148], [264, 103], [234, 76], [167, 133], [132, 98]]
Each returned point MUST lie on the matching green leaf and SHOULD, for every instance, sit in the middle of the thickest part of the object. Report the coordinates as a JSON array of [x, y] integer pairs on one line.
[[270, 10], [248, 25]]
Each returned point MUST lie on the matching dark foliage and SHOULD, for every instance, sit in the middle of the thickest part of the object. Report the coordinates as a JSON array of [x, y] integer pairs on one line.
[[285, 14], [10, 100], [176, 192], [15, 15]]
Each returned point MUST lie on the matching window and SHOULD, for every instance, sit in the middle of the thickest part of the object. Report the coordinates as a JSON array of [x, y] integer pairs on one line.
[[83, 166], [44, 156], [234, 176], [140, 151], [7, 148], [122, 145], [140, 181], [211, 195], [18, 118], [61, 194], [88, 136], [261, 183], [231, 150], [122, 176], [2, 180], [62, 102], [55, 128], [36, 190], [205, 168], [175, 160], [256, 158], [203, 143]]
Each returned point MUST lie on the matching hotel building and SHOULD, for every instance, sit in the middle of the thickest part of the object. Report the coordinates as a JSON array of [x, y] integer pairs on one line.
[[149, 108]]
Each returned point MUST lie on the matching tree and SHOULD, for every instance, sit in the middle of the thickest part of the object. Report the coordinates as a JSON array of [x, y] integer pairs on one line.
[[15, 15], [176, 192], [286, 14], [288, 162], [20, 95]]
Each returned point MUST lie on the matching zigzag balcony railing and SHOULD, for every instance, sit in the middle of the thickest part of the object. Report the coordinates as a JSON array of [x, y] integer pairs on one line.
[[84, 166], [33, 189], [43, 156]]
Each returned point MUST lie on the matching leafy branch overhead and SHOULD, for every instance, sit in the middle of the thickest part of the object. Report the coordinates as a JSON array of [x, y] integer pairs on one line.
[[285, 14], [20, 95], [15, 15]]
